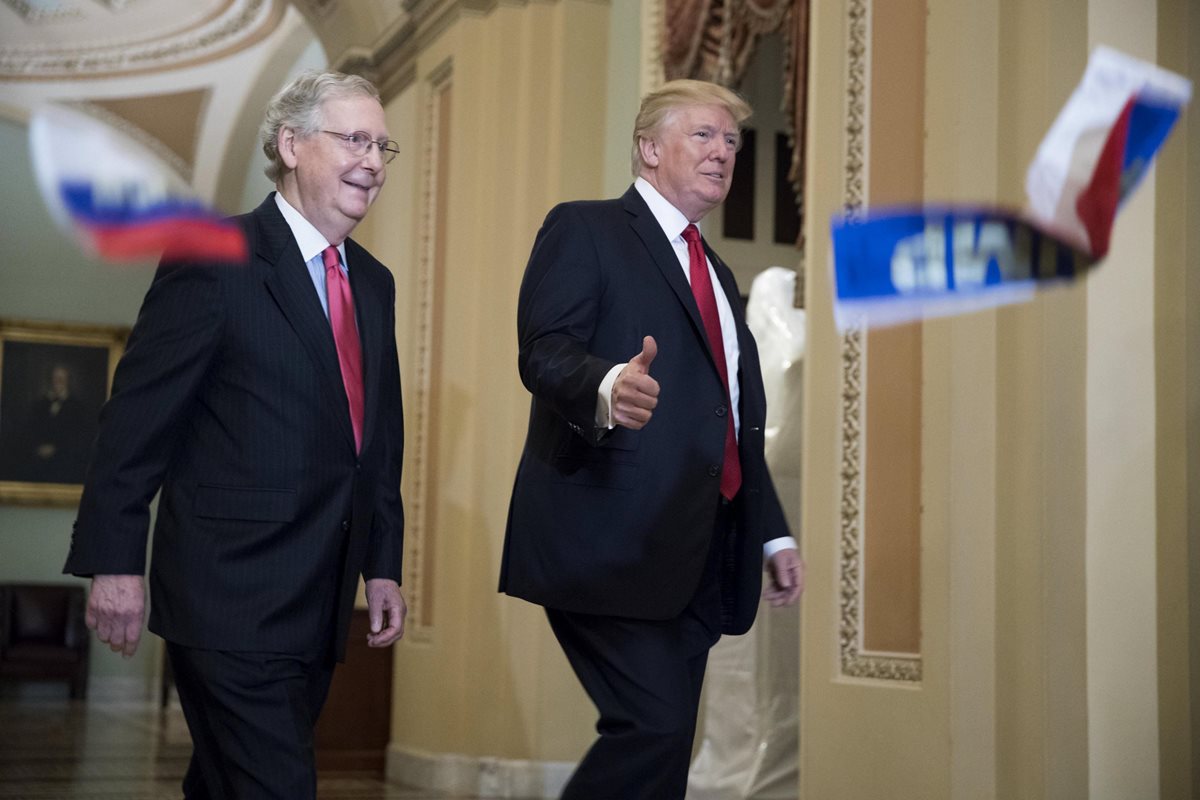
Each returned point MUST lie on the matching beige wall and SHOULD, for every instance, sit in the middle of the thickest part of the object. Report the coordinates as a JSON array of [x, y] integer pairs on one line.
[[1052, 567], [485, 677], [860, 736], [1057, 573], [1177, 295]]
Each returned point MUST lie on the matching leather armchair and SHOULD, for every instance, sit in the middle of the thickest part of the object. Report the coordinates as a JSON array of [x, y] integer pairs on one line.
[[43, 635]]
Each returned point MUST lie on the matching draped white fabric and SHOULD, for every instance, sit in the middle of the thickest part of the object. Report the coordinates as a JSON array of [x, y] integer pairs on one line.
[[750, 728]]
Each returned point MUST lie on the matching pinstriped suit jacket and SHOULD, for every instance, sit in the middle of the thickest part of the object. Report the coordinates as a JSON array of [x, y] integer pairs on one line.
[[229, 397]]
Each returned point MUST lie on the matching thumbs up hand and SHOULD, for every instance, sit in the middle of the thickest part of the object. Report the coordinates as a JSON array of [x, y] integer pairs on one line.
[[635, 393]]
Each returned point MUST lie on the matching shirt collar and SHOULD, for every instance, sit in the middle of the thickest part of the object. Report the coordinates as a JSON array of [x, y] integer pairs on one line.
[[308, 239], [669, 218]]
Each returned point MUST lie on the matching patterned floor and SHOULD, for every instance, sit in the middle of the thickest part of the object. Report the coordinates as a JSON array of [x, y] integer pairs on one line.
[[52, 749]]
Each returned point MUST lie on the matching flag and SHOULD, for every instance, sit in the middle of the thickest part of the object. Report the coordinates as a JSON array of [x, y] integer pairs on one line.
[[895, 265], [117, 198]]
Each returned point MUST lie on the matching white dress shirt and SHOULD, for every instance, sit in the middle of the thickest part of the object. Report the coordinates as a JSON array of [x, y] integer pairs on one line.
[[312, 244]]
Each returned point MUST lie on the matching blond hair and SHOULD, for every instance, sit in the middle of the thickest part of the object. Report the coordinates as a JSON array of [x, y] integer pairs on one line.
[[298, 106], [657, 107]]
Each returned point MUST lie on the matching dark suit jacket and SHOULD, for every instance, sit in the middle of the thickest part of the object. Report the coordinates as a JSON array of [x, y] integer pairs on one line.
[[230, 397], [619, 522]]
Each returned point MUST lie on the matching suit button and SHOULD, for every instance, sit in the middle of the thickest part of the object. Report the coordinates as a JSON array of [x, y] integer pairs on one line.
[[358, 466], [345, 525], [714, 471], [720, 411]]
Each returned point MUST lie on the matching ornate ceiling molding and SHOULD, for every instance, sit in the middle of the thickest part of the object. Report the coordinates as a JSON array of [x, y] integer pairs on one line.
[[390, 60], [236, 26], [35, 13]]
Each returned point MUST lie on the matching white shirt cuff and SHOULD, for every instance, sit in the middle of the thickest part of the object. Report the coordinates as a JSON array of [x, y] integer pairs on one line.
[[773, 546], [604, 398]]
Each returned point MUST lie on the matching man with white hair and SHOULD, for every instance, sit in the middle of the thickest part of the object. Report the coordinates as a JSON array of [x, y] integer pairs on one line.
[[263, 399]]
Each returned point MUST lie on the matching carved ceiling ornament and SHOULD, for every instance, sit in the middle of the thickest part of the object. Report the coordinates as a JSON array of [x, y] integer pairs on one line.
[[37, 12], [855, 662], [237, 25]]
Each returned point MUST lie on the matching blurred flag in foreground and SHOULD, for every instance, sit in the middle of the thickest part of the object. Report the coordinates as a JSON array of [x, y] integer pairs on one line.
[[897, 265], [118, 199]]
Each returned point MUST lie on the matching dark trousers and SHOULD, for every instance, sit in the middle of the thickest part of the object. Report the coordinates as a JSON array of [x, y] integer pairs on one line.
[[644, 677], [251, 717]]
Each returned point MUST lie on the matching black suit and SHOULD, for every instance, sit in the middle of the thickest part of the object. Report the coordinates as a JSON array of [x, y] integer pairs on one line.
[[230, 398], [628, 525]]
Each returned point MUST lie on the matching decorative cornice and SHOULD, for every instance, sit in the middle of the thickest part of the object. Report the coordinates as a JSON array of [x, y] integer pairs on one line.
[[239, 25], [390, 61], [34, 14], [854, 661]]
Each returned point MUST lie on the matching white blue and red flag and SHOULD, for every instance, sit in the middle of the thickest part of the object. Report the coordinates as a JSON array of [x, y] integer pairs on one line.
[[901, 264], [117, 198]]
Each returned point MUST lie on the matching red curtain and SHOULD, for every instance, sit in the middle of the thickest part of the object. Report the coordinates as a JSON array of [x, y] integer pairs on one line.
[[713, 40]]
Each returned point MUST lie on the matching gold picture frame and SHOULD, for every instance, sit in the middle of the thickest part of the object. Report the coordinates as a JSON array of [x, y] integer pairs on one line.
[[54, 377]]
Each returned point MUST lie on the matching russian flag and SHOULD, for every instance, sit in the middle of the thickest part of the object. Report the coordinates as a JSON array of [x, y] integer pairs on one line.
[[118, 199], [896, 265], [1100, 146]]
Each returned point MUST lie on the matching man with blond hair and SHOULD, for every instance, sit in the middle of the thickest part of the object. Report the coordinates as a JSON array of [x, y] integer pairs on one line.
[[642, 509], [264, 400]]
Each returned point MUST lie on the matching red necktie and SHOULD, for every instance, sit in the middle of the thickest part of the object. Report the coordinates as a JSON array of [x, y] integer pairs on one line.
[[345, 336], [702, 289]]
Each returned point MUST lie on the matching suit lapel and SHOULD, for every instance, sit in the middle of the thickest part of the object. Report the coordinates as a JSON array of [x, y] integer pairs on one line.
[[290, 284], [651, 233]]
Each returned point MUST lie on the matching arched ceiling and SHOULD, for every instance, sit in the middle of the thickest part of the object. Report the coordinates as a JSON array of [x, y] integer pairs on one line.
[[191, 75], [70, 39], [79, 39]]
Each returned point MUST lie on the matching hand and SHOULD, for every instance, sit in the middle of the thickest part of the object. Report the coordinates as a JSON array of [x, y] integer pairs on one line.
[[786, 570], [115, 610], [635, 393], [384, 598]]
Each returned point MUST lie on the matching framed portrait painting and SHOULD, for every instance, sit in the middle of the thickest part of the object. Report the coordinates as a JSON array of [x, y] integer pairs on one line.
[[54, 377]]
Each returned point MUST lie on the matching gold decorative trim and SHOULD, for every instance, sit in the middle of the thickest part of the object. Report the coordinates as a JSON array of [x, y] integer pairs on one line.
[[654, 23], [855, 662], [239, 25], [418, 533]]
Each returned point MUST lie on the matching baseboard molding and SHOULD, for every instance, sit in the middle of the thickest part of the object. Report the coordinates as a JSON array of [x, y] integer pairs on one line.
[[103, 689], [485, 776]]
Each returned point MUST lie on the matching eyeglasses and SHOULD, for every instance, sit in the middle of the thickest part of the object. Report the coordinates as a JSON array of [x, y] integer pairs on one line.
[[360, 143]]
